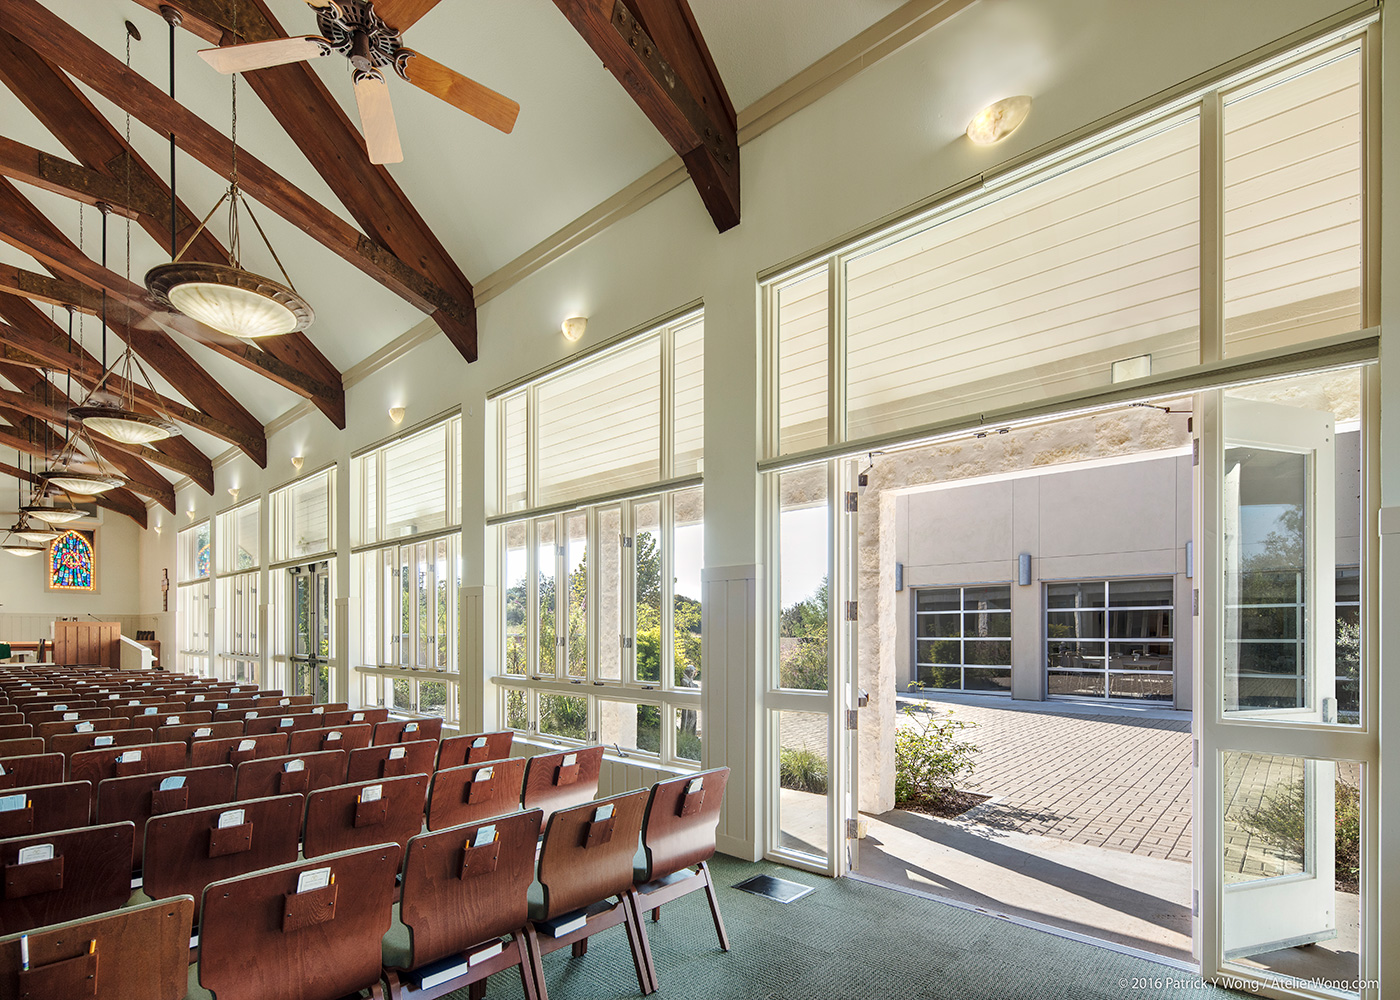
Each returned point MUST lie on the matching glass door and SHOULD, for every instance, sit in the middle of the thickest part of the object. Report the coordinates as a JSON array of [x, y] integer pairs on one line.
[[310, 626]]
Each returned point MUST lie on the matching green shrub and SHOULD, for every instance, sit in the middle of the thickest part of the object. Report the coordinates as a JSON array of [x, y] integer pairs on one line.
[[929, 759], [802, 770], [1281, 821]]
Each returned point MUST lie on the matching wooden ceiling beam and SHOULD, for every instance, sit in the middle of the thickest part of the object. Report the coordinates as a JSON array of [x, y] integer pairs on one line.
[[52, 291], [58, 41], [23, 226], [141, 479], [314, 120], [73, 180], [76, 123], [656, 51], [118, 501]]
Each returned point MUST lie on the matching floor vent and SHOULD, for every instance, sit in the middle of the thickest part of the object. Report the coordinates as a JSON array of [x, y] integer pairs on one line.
[[780, 890]]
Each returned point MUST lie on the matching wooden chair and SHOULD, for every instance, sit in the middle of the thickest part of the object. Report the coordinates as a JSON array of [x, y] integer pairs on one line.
[[261, 937], [236, 749], [474, 749], [185, 851], [270, 776], [46, 731], [69, 744], [41, 808], [21, 746], [136, 953], [67, 715], [349, 816], [585, 860], [558, 780], [678, 834], [139, 797], [19, 731], [202, 729], [463, 889], [119, 762], [406, 730], [31, 769], [368, 763], [337, 738], [475, 792], [89, 872]]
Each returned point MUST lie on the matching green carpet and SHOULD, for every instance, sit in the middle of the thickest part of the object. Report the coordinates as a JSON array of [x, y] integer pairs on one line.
[[848, 940]]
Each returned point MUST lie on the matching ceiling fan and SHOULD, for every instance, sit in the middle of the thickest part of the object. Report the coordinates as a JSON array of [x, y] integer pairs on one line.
[[370, 35]]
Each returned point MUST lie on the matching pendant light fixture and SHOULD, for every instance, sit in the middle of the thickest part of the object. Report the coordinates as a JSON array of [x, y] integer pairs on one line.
[[14, 543], [52, 514], [227, 296]]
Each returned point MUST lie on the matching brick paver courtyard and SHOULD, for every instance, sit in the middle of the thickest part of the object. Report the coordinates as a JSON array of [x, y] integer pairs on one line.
[[1117, 781]]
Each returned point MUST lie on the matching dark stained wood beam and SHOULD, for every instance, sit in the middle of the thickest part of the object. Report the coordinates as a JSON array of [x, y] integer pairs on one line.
[[58, 41], [54, 291], [313, 119], [141, 480], [68, 114], [656, 51], [118, 501], [73, 180], [22, 225]]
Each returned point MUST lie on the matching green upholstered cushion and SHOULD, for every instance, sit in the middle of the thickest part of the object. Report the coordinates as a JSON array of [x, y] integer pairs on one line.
[[138, 897], [197, 992], [398, 944], [641, 867], [535, 898]]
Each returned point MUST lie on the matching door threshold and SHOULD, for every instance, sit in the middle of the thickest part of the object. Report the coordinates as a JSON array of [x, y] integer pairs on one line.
[[1035, 925]]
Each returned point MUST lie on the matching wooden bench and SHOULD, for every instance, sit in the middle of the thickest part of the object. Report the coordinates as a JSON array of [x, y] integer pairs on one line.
[[89, 871], [558, 780], [337, 738], [102, 763], [369, 763], [270, 775], [135, 953], [185, 851], [236, 749], [41, 808], [261, 937], [140, 796], [475, 748], [475, 792], [31, 769], [402, 730], [349, 816], [463, 889]]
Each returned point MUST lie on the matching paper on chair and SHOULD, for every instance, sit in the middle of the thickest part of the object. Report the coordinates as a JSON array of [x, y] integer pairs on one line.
[[35, 852], [202, 731], [478, 743], [570, 759], [102, 741], [128, 757], [9, 803], [603, 812], [316, 878], [484, 835], [484, 774], [167, 784], [397, 753], [247, 744], [69, 716], [230, 817], [285, 723], [172, 720], [83, 727], [292, 766], [371, 793], [695, 785]]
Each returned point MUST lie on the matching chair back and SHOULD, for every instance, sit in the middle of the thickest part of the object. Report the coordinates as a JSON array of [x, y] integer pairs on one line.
[[17, 731], [102, 763], [40, 808], [467, 884], [390, 761], [200, 729], [236, 749], [85, 871], [474, 749], [588, 850], [31, 769], [681, 818], [48, 730], [40, 716], [135, 953], [262, 938], [272, 775], [475, 792], [185, 851], [346, 817], [407, 730], [138, 797], [330, 738], [558, 780], [21, 746]]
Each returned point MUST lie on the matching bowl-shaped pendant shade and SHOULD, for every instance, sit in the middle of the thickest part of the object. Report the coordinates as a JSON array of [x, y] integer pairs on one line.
[[41, 535], [125, 426], [53, 515], [15, 549], [82, 483], [230, 299]]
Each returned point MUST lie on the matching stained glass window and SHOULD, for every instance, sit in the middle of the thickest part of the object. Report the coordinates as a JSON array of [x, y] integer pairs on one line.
[[71, 562]]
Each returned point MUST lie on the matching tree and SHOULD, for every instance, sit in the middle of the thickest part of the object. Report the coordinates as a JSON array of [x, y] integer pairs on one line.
[[804, 647]]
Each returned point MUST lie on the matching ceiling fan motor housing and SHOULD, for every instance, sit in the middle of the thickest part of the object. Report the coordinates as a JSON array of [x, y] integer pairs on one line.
[[358, 33]]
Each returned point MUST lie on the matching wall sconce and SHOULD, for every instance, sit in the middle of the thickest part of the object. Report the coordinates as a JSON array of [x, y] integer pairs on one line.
[[190, 513], [574, 327], [233, 492], [157, 527], [396, 414], [297, 462], [995, 123], [1023, 575]]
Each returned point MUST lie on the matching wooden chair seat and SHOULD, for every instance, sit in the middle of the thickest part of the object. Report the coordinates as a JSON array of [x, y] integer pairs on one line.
[[236, 749], [390, 761], [475, 792], [585, 881], [134, 953], [89, 872], [474, 749], [464, 888], [559, 780], [260, 937], [41, 808], [346, 817], [139, 797], [270, 775], [406, 730]]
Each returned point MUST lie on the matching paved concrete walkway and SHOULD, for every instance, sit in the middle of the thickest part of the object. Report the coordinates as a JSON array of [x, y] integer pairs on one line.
[[1117, 781]]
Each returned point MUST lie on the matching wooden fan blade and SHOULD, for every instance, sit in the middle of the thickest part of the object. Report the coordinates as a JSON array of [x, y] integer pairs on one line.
[[377, 119], [178, 323], [260, 55], [401, 14], [459, 91]]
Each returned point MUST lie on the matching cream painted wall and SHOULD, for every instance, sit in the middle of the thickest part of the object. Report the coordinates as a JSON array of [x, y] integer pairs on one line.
[[884, 140]]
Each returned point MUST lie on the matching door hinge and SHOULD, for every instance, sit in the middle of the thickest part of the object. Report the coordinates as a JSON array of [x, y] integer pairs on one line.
[[626, 541], [1195, 452], [562, 640], [852, 829], [852, 501], [1195, 902], [852, 718], [626, 642], [1195, 753], [1195, 602], [852, 611]]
